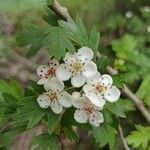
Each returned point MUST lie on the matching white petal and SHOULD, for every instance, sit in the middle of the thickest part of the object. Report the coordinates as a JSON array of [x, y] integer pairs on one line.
[[42, 81], [96, 118], [42, 70], [85, 53], [78, 80], [112, 94], [56, 107], [96, 99], [43, 101], [76, 95], [94, 79], [80, 116], [65, 99], [90, 69], [70, 58], [88, 88], [63, 72], [106, 80], [53, 63], [54, 84], [78, 102]]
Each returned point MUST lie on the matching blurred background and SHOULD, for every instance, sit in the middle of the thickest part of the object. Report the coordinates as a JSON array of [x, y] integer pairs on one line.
[[124, 27]]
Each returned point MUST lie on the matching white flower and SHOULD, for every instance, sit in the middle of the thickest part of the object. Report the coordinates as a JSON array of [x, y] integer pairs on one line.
[[148, 29], [86, 111], [55, 97], [129, 14], [99, 88], [77, 66], [46, 72]]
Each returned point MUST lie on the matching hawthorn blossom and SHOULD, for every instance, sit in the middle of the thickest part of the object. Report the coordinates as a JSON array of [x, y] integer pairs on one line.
[[46, 72], [99, 89], [86, 111], [77, 66], [55, 97]]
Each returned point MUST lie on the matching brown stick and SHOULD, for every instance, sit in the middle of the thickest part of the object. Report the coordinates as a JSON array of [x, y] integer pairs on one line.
[[126, 147], [62, 11]]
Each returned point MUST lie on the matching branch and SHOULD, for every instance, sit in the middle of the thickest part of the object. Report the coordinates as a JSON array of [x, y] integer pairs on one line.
[[126, 147], [62, 11]]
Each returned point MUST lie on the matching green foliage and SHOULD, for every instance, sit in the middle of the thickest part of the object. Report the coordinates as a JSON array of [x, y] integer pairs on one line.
[[50, 17], [52, 122], [116, 108], [139, 138], [143, 91], [19, 6], [127, 48], [7, 137], [119, 80], [70, 133], [104, 134], [78, 34], [102, 63], [57, 42], [11, 87], [45, 142], [33, 36], [29, 113]]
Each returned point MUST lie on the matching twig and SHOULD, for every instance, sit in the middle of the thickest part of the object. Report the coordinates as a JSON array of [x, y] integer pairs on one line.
[[61, 143], [126, 147], [62, 11], [139, 104]]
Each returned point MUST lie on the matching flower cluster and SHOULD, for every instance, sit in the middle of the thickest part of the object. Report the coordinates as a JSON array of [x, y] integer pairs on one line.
[[79, 68]]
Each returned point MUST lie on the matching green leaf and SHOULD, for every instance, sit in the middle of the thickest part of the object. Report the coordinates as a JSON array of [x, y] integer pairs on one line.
[[50, 17], [143, 91], [94, 40], [125, 47], [45, 142], [53, 121], [29, 112], [104, 134], [36, 89], [49, 2], [67, 119], [36, 116], [11, 87], [76, 31], [116, 108], [140, 137], [33, 36], [102, 63], [57, 42], [1, 114], [70, 133], [8, 137], [119, 80]]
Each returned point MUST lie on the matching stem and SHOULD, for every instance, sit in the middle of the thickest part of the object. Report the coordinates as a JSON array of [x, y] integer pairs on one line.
[[69, 88], [61, 143], [126, 147]]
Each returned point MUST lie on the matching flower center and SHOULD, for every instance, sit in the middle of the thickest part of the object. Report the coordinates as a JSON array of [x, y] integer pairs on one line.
[[88, 108], [50, 72], [100, 88], [77, 66], [52, 95]]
